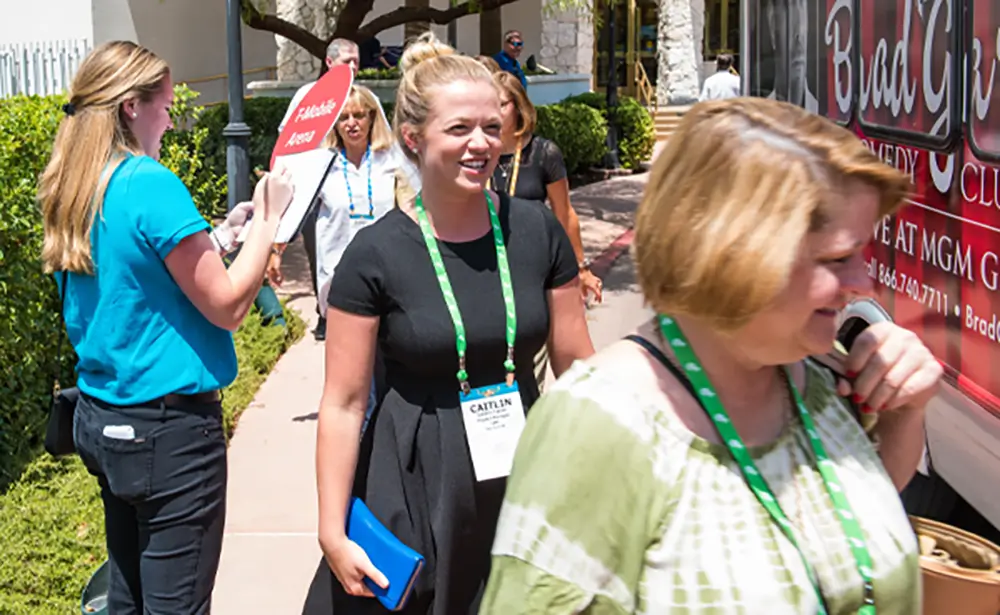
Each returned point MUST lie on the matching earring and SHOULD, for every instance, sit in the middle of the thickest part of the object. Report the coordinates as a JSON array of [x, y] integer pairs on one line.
[[135, 115]]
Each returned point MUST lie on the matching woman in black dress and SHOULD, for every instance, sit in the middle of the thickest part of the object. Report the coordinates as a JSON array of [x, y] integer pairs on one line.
[[532, 168], [508, 271]]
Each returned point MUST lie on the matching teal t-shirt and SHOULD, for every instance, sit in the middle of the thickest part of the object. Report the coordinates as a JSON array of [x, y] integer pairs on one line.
[[136, 334]]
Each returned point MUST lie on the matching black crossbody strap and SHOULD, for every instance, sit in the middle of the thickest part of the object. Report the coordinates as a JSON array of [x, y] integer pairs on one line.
[[662, 358], [60, 332]]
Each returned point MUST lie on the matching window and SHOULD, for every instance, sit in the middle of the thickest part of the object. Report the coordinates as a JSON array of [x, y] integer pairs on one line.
[[722, 28], [909, 70], [984, 79], [800, 52]]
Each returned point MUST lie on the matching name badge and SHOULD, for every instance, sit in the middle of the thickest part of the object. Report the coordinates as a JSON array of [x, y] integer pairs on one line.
[[359, 222], [494, 420]]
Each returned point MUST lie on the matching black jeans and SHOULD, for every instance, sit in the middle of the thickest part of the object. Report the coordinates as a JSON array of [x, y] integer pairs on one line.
[[309, 243], [162, 473]]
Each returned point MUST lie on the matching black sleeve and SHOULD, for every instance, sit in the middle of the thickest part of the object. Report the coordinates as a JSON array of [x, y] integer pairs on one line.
[[562, 260], [358, 284], [551, 161]]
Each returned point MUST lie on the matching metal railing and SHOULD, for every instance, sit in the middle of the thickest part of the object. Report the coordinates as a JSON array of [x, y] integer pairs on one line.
[[41, 68], [644, 89], [220, 83]]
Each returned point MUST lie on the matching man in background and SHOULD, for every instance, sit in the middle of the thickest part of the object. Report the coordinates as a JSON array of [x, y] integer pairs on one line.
[[513, 44], [723, 84], [339, 51]]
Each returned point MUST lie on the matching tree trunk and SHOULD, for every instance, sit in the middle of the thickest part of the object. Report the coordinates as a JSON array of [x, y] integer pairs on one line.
[[415, 28], [351, 17], [490, 32]]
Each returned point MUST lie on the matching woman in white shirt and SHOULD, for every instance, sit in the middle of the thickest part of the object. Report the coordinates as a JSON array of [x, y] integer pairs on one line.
[[360, 187]]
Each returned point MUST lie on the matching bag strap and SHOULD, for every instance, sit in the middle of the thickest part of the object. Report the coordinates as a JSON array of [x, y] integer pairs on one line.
[[60, 338], [662, 358]]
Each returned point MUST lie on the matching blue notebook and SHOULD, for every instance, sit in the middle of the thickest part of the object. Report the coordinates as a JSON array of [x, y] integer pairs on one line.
[[398, 562]]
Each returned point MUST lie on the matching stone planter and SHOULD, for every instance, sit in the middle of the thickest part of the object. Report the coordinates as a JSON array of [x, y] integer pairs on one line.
[[549, 89], [542, 89]]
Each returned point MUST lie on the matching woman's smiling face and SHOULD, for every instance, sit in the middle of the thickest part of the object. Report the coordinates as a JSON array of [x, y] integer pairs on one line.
[[461, 139]]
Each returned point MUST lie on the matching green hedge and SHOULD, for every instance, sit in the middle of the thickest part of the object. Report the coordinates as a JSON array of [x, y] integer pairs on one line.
[[52, 520], [29, 304], [636, 128], [579, 131]]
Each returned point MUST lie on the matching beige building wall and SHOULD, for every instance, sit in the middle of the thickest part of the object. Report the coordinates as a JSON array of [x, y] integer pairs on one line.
[[189, 34], [36, 21]]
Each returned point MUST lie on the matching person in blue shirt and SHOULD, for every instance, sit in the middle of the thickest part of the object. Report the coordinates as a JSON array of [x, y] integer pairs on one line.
[[150, 308], [513, 43]]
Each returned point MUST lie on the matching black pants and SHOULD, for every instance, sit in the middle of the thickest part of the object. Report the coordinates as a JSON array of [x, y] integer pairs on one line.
[[162, 473], [309, 243]]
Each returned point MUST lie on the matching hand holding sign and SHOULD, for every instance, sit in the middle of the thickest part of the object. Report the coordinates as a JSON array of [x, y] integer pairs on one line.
[[298, 148], [273, 194]]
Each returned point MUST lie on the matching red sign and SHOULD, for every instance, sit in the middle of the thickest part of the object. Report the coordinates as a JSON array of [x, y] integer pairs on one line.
[[316, 113]]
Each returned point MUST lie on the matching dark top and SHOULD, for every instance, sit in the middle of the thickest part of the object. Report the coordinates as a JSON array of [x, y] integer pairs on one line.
[[387, 272], [512, 66], [414, 468], [541, 164]]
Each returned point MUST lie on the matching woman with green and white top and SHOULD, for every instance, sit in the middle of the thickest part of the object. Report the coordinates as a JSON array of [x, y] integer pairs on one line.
[[707, 464]]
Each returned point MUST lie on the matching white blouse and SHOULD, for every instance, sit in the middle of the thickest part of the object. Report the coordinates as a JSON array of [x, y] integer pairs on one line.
[[371, 188]]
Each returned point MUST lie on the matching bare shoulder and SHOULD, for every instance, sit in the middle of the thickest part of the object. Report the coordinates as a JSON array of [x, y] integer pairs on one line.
[[627, 357], [627, 368]]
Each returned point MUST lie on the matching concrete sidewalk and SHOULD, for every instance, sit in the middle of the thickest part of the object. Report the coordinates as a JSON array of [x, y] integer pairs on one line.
[[270, 551]]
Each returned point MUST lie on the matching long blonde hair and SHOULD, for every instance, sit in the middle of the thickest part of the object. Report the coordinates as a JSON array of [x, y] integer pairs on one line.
[[426, 64], [527, 116], [91, 141]]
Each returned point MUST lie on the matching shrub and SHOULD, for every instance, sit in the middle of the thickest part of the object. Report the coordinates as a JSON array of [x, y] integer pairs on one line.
[[52, 520], [637, 133], [29, 304], [181, 153], [29, 308], [578, 130], [378, 74]]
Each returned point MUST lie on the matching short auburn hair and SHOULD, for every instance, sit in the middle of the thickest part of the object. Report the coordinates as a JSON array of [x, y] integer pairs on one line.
[[511, 87], [731, 199]]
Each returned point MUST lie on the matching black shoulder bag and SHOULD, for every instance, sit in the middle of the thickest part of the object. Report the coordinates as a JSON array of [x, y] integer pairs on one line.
[[59, 433]]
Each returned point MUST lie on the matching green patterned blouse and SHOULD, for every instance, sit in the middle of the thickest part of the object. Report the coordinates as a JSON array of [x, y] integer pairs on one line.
[[614, 507]]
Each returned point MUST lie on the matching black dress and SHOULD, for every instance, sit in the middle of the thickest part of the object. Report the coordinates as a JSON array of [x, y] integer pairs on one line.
[[542, 164], [414, 468]]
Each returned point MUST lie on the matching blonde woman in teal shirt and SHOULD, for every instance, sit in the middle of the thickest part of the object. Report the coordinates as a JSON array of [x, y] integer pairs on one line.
[[150, 309]]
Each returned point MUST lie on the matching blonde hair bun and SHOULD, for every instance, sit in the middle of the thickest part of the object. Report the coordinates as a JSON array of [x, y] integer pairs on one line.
[[428, 64], [424, 47]]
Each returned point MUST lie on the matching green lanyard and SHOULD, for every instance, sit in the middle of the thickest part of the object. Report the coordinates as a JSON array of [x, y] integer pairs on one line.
[[449, 296], [710, 400]]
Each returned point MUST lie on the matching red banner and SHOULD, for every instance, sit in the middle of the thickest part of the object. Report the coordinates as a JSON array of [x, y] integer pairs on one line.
[[316, 114]]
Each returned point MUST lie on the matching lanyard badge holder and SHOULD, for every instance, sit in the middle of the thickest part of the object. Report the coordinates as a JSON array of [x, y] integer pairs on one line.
[[515, 171], [359, 221], [848, 521], [493, 415]]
